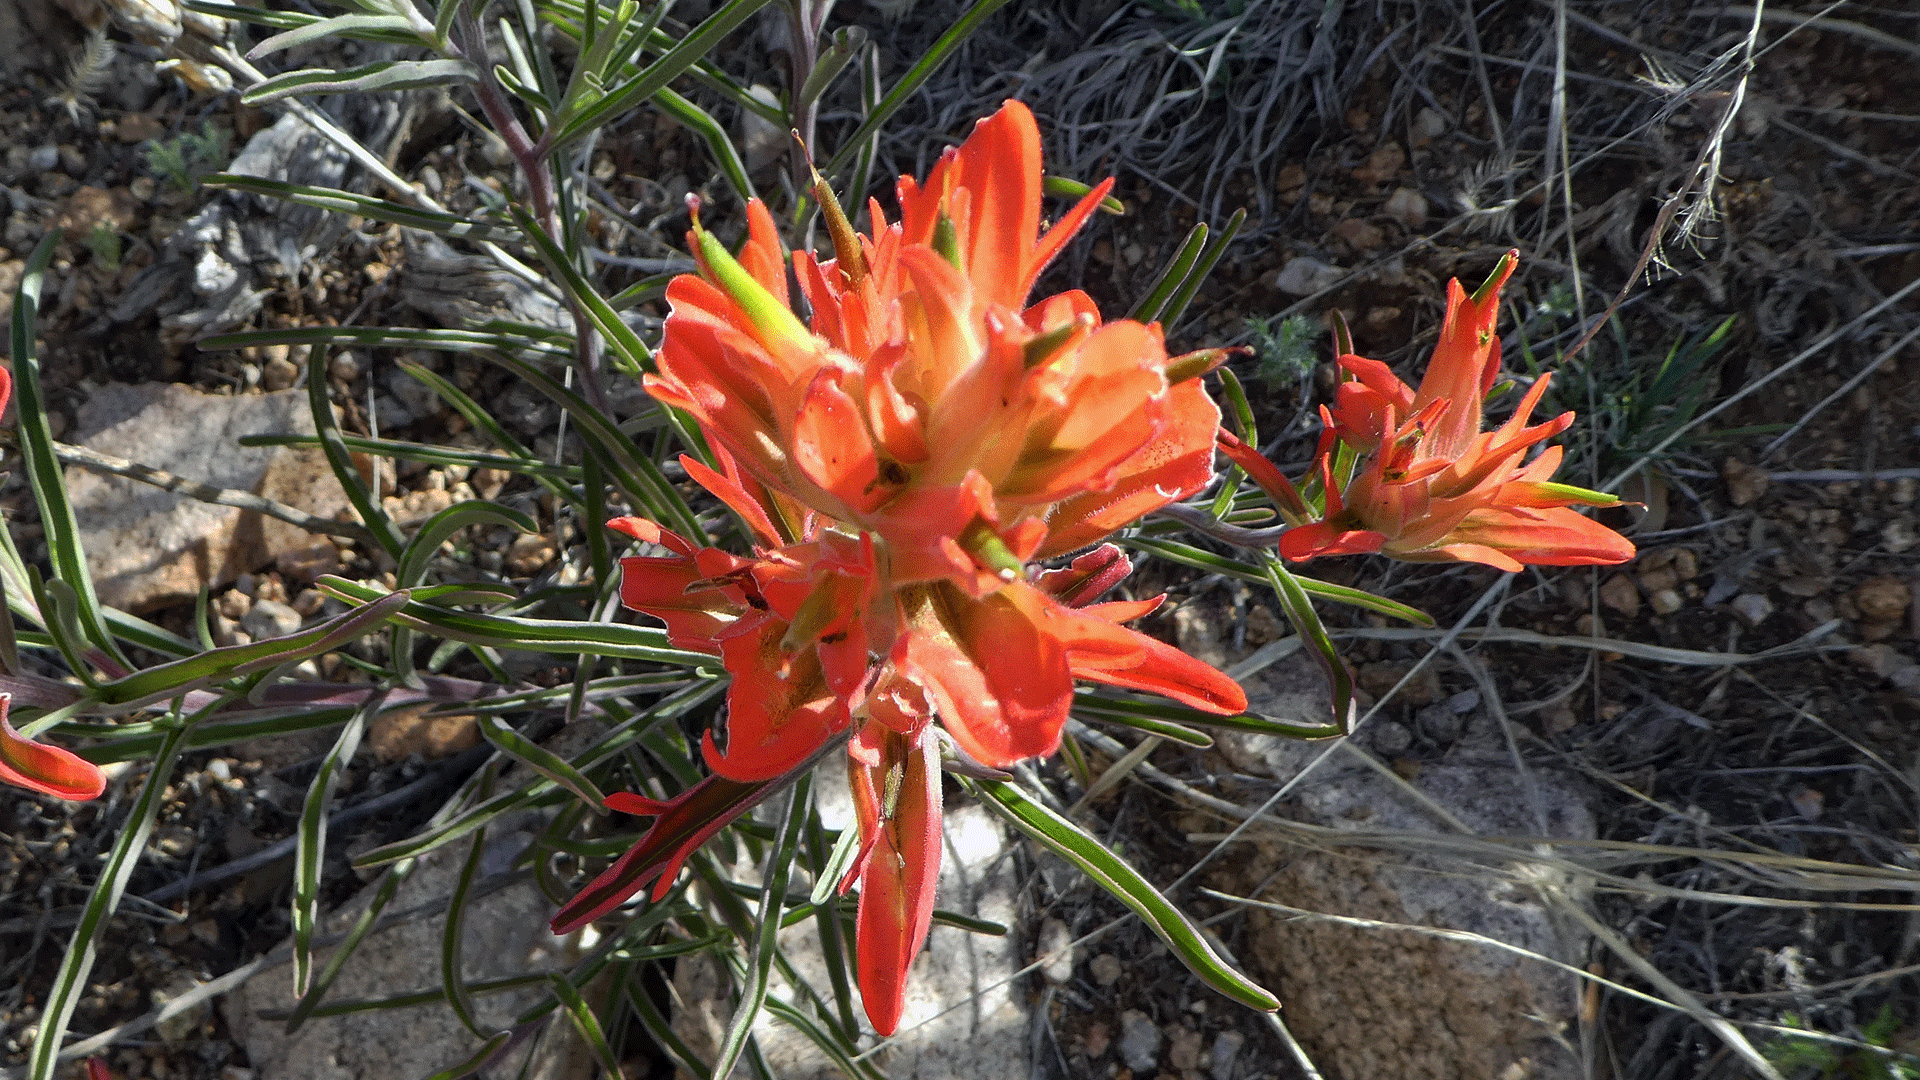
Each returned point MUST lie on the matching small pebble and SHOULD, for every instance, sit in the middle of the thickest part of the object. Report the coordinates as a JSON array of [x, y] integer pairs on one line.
[[270, 618], [43, 158], [1139, 1041], [1105, 969], [278, 373], [1752, 608], [1226, 1047], [1056, 941], [1386, 737]]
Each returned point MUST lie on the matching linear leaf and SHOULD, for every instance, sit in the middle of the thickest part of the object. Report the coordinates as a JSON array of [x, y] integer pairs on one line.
[[43, 468], [311, 840], [389, 337], [1171, 275], [345, 26], [78, 960], [386, 75], [453, 984], [541, 760], [366, 206], [1177, 305], [658, 74], [1112, 873], [1306, 621], [584, 1022], [539, 635], [780, 860], [698, 120], [180, 675], [911, 82]]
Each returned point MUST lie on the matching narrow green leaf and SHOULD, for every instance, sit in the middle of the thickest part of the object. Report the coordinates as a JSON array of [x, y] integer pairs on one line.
[[387, 75], [1177, 305], [1236, 405], [1150, 306], [474, 1065], [179, 676], [604, 318], [311, 840], [539, 790], [911, 82], [542, 761], [441, 526], [337, 26], [662, 1032], [392, 337], [1306, 621], [585, 1023], [658, 74], [43, 467], [844, 1056], [1201, 559], [338, 460], [309, 1003], [702, 123], [550, 476], [780, 860], [1124, 883], [1153, 725], [635, 472], [366, 206], [77, 963], [828, 869], [540, 635], [842, 44], [453, 984]]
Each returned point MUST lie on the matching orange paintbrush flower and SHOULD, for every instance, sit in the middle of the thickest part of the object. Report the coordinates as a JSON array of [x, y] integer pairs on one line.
[[821, 642], [1419, 480], [899, 462], [928, 404]]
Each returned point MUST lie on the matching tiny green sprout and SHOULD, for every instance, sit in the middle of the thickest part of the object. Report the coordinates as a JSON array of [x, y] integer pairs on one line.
[[184, 159], [1285, 348], [104, 242]]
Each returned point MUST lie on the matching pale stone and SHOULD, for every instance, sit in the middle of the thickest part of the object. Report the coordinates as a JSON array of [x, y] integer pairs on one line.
[[1302, 276], [147, 547], [1373, 1002], [505, 933]]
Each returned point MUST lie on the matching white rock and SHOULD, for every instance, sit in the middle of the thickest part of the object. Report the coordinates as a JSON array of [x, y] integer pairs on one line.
[[1303, 276], [1056, 949], [146, 546]]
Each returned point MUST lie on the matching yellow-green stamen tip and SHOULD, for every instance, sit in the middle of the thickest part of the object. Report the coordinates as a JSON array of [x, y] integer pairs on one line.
[[981, 541], [1045, 345], [777, 324], [946, 240]]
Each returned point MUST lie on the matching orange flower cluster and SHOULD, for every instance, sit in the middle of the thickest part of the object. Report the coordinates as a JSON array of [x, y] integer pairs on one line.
[[900, 462], [1412, 475]]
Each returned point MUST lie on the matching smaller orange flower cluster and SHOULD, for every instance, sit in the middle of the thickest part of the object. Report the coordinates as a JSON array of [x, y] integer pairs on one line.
[[1412, 475], [899, 463]]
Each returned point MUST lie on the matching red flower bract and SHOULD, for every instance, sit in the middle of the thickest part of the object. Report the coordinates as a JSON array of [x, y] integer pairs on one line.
[[1425, 483]]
